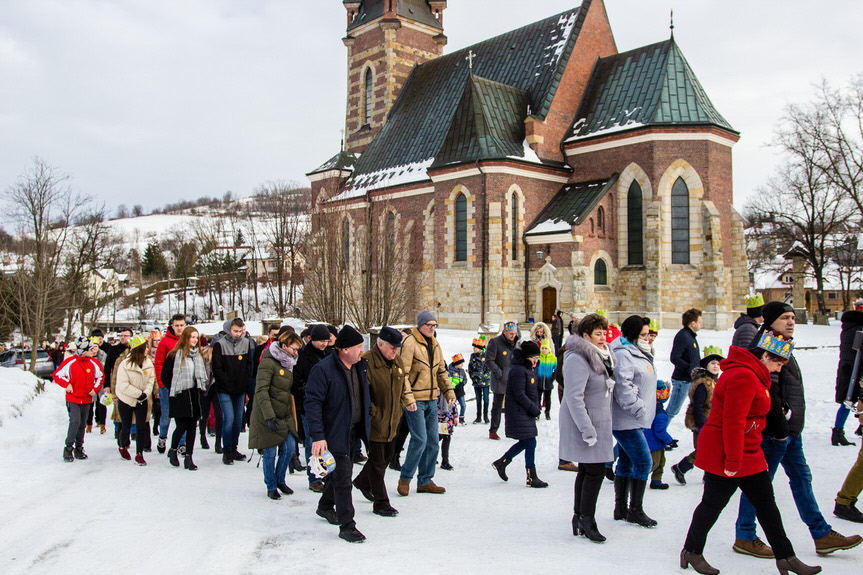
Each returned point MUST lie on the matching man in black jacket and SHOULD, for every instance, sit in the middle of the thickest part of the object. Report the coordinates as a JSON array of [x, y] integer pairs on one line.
[[498, 357], [313, 352], [232, 368], [685, 355], [339, 411], [783, 444]]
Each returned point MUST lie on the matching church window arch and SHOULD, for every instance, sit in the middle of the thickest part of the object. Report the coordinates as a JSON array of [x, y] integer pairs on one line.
[[514, 225], [600, 273], [600, 219], [635, 225], [680, 222], [461, 228], [368, 80], [346, 242]]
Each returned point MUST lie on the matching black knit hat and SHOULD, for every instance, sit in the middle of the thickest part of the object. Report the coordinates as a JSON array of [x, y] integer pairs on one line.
[[529, 349], [772, 310], [319, 332], [348, 337]]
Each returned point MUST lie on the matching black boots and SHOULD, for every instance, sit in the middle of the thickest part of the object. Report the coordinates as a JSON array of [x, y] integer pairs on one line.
[[67, 454], [78, 453], [227, 457], [533, 480], [204, 443], [636, 514], [500, 466], [188, 463], [795, 565], [838, 437], [698, 562], [173, 458], [848, 513], [586, 525], [295, 464], [621, 496]]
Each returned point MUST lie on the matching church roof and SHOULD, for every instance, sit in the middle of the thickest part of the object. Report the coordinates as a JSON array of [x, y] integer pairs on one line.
[[341, 161], [488, 123], [570, 206], [648, 86], [420, 125], [416, 10]]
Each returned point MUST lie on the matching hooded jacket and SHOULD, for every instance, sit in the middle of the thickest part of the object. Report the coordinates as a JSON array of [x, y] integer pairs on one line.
[[232, 364], [131, 380], [273, 400], [700, 399], [634, 402], [745, 329], [498, 358], [852, 322], [731, 438], [85, 374], [522, 399]]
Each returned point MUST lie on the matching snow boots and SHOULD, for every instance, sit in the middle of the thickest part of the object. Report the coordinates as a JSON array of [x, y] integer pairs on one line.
[[621, 494], [67, 454], [533, 480], [172, 457], [838, 437], [500, 466], [636, 514], [204, 443], [78, 452]]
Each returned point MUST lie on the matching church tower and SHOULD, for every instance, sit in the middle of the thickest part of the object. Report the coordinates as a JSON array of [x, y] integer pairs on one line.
[[385, 40]]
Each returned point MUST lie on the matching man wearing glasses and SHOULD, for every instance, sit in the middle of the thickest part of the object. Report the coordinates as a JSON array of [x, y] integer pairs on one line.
[[425, 377]]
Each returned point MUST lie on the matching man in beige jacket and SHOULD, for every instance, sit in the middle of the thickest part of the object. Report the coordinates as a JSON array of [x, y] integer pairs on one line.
[[425, 377]]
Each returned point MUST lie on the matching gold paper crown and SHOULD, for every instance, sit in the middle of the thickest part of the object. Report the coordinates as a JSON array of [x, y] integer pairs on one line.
[[776, 344], [754, 301], [712, 350], [654, 326], [137, 340], [602, 312]]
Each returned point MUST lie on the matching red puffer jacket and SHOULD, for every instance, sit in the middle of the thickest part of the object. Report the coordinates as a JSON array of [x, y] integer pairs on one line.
[[731, 438], [84, 373], [169, 340]]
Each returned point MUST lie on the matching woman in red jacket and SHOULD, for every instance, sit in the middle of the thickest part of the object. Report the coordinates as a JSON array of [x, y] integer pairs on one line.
[[729, 451]]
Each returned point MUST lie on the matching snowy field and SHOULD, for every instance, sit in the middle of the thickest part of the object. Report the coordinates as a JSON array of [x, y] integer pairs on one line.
[[107, 514]]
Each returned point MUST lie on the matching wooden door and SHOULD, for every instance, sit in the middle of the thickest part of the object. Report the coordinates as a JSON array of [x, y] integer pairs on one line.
[[549, 304]]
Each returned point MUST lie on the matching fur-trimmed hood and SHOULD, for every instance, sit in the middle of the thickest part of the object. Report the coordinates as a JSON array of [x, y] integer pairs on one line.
[[577, 344]]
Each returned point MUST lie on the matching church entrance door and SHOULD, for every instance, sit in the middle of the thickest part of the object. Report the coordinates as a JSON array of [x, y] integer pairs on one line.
[[549, 304]]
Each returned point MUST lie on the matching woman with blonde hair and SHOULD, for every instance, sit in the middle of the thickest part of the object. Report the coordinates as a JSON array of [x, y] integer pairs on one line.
[[134, 385], [185, 376], [541, 335]]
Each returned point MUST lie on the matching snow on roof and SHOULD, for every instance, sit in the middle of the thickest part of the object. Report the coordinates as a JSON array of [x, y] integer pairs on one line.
[[624, 122], [385, 178], [554, 50], [528, 155], [551, 226]]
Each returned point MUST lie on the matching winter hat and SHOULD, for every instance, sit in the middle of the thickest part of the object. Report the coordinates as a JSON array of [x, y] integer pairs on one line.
[[479, 341], [653, 328], [457, 359], [348, 337], [424, 317], [391, 335], [773, 310], [858, 305], [137, 340], [319, 332], [711, 353], [529, 349], [333, 330], [662, 391], [96, 332], [82, 345], [754, 305]]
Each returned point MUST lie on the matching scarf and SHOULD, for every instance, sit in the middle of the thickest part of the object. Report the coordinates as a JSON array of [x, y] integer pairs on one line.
[[608, 361], [284, 358], [188, 374]]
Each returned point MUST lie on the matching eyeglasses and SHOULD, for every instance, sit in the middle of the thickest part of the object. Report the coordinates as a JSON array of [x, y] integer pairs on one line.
[[430, 324]]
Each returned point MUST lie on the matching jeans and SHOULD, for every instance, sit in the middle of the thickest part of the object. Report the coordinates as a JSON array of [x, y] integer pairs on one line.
[[529, 448], [481, 401], [274, 470], [423, 447], [790, 453], [718, 491], [679, 394], [634, 458], [165, 416], [462, 403], [232, 418], [841, 416], [307, 444]]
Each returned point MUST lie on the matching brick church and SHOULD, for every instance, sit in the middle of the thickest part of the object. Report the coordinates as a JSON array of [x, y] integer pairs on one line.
[[536, 170]]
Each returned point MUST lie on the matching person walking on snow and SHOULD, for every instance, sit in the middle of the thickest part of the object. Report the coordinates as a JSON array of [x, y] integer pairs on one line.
[[81, 375]]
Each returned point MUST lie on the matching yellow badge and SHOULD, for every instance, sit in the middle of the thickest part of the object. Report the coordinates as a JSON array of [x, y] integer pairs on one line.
[[767, 393], [532, 380], [240, 357], [87, 370], [281, 372], [145, 372], [695, 345], [400, 370], [650, 368], [504, 353]]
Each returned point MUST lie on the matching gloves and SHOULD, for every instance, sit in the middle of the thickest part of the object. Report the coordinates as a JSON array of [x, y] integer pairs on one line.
[[590, 441], [142, 398], [273, 424]]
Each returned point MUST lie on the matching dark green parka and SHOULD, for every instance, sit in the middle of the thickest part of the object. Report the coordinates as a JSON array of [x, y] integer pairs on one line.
[[273, 399]]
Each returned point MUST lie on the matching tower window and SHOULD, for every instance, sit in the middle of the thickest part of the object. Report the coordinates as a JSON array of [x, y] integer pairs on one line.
[[346, 243], [634, 225], [680, 222], [461, 228], [600, 273], [367, 91], [514, 226]]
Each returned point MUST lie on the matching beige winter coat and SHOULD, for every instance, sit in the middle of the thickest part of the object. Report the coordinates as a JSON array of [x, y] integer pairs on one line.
[[424, 378], [132, 381]]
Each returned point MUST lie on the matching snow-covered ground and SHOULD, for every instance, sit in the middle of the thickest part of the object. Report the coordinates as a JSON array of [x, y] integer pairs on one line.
[[106, 513]]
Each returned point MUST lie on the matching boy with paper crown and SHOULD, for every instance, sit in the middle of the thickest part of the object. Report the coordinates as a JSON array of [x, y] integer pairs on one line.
[[748, 323], [700, 400], [480, 377]]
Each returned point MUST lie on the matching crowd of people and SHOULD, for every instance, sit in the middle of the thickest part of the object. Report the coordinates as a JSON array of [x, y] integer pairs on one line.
[[318, 392]]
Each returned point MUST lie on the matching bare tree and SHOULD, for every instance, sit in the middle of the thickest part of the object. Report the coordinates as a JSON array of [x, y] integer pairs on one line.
[[42, 205], [848, 257], [89, 245], [328, 266]]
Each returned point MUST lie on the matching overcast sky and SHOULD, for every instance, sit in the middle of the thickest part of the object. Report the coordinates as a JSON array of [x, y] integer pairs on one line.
[[152, 101]]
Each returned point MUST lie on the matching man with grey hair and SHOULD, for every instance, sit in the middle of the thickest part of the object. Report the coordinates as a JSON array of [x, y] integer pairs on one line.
[[425, 377], [498, 357]]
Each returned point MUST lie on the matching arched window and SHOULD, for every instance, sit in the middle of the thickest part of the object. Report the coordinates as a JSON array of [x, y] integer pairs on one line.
[[600, 219], [600, 273], [367, 91], [592, 230], [514, 226], [461, 228], [346, 242], [634, 225], [679, 222]]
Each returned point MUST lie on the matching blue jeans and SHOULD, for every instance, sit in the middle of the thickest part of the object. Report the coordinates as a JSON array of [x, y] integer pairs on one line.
[[274, 471], [790, 454], [232, 418], [423, 447], [307, 445], [529, 448], [165, 416], [679, 394], [841, 416], [462, 402], [634, 457], [481, 400]]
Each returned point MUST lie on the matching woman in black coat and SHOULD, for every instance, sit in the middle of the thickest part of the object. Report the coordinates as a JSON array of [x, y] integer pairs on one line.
[[522, 408], [852, 322], [185, 376]]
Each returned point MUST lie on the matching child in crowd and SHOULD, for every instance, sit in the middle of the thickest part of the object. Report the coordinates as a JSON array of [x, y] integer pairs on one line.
[[480, 378], [541, 336], [700, 399], [458, 377], [447, 416], [81, 376], [657, 436]]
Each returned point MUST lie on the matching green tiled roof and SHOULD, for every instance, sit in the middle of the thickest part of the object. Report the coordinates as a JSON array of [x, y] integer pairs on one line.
[[530, 59], [652, 85], [570, 206], [488, 123], [341, 161], [416, 10]]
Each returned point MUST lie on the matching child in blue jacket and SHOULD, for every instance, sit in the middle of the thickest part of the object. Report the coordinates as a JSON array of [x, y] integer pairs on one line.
[[658, 438]]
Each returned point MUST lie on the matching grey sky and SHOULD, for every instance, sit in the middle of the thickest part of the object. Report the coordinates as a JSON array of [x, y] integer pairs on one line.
[[152, 101]]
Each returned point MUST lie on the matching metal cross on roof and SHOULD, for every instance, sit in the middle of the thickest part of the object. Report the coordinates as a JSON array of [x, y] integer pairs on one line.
[[469, 58]]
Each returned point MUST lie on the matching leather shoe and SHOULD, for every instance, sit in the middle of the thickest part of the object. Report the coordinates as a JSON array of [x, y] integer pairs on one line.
[[386, 512], [328, 514], [404, 488], [283, 487], [352, 535], [316, 486], [274, 495], [367, 493], [430, 487]]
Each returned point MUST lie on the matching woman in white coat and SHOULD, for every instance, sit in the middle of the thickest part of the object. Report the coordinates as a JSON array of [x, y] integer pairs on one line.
[[136, 379], [585, 417]]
